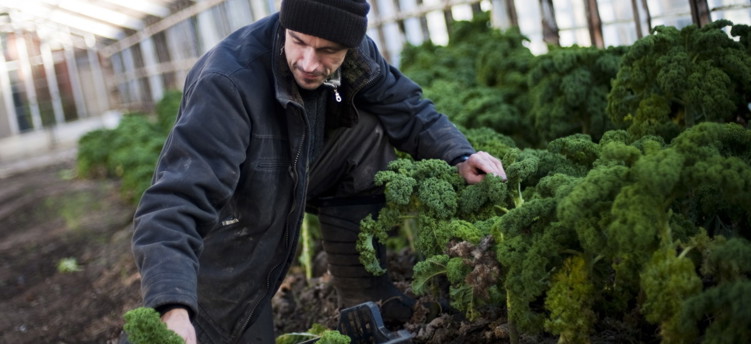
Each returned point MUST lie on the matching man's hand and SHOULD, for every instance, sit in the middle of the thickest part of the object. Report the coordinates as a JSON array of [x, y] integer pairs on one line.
[[478, 165], [178, 320]]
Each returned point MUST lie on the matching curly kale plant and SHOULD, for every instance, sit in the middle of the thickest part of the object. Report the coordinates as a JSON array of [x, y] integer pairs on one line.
[[130, 150], [569, 88], [569, 300], [430, 199], [478, 79], [451, 219], [471, 271], [673, 79], [668, 279], [644, 201], [584, 230], [729, 308], [144, 326], [425, 197], [482, 107], [318, 333]]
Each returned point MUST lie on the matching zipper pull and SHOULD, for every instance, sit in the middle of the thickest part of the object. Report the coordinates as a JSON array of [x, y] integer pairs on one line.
[[334, 82]]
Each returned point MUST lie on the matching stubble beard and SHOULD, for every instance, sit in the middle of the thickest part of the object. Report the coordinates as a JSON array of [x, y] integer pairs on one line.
[[309, 81]]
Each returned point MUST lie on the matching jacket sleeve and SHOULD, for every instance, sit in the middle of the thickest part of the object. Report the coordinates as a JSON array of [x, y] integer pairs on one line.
[[196, 174], [411, 121]]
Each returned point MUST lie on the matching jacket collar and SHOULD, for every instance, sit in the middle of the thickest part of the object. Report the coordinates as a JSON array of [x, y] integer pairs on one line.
[[286, 92]]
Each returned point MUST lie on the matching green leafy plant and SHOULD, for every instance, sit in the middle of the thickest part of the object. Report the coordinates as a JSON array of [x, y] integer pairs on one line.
[[570, 300], [317, 331], [129, 151], [676, 78], [479, 79], [144, 326], [66, 265], [569, 87], [627, 201]]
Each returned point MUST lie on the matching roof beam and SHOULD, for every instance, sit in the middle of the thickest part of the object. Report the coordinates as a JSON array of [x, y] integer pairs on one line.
[[87, 25], [147, 7], [95, 12], [160, 26], [45, 28], [36, 11]]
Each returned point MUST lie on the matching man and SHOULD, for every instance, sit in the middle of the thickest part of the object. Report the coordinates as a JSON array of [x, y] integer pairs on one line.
[[296, 111]]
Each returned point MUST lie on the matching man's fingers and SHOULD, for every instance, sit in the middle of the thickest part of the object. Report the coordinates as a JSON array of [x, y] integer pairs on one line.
[[480, 164], [487, 163], [499, 169], [178, 320]]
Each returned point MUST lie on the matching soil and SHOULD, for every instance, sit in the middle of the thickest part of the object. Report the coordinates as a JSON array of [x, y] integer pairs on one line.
[[47, 215]]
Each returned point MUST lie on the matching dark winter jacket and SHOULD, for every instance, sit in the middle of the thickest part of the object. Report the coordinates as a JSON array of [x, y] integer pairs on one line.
[[217, 230]]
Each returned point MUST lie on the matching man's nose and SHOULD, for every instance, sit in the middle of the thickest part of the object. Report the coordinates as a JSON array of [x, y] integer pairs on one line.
[[309, 62]]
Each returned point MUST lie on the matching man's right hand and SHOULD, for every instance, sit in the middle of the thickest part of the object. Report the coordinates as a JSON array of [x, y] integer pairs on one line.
[[478, 165], [178, 320]]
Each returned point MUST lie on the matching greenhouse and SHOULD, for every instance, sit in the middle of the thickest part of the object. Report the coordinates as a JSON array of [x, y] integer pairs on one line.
[[68, 60], [622, 213]]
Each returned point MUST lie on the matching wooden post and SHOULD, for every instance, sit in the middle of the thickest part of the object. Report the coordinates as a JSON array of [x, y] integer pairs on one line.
[[476, 9], [512, 15], [648, 14], [549, 25], [594, 23], [400, 22], [6, 92], [448, 17], [637, 18], [424, 22], [504, 14], [379, 36], [700, 12]]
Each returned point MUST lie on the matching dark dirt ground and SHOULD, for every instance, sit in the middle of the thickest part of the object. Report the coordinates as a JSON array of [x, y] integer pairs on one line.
[[47, 215]]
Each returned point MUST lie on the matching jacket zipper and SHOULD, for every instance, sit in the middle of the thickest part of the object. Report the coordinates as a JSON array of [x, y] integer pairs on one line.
[[253, 311], [286, 232], [295, 177], [334, 82], [294, 190]]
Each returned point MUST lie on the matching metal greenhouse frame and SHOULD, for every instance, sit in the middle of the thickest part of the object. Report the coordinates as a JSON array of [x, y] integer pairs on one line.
[[66, 61]]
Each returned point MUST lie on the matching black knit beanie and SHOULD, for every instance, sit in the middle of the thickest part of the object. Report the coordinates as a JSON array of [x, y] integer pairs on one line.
[[340, 21]]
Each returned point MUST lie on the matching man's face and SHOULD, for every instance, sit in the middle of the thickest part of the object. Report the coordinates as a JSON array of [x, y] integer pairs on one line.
[[312, 59]]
